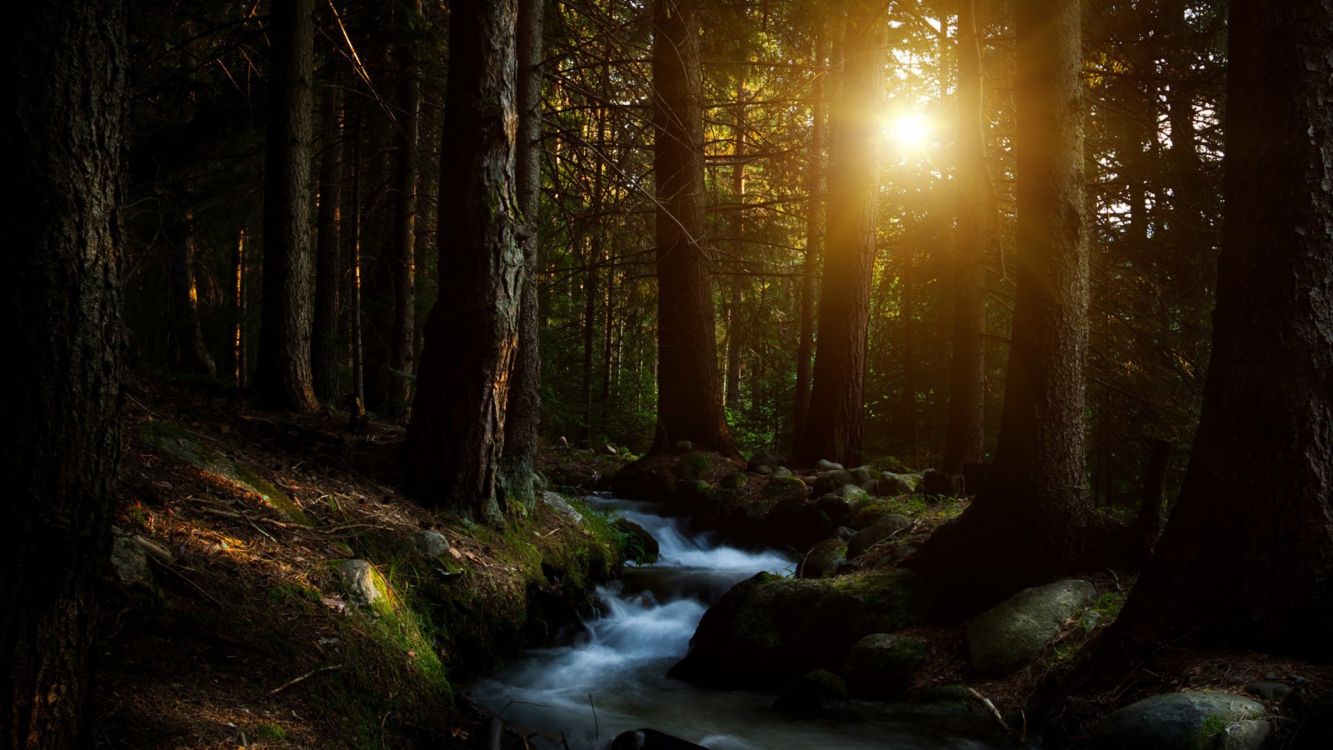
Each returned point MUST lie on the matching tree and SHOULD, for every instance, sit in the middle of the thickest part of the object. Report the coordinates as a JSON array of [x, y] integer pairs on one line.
[[458, 415], [1247, 556], [975, 237], [191, 353], [523, 413], [1030, 521], [689, 392], [283, 378], [814, 233], [835, 418], [328, 251], [62, 142], [402, 262]]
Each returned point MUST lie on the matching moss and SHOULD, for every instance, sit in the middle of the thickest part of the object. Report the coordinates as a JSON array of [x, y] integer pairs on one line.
[[782, 486], [1212, 726], [297, 594], [693, 465], [890, 463], [270, 732]]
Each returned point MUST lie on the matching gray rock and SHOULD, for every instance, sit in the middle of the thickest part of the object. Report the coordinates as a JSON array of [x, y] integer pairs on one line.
[[891, 484], [651, 739], [562, 508], [1269, 690], [886, 527], [430, 545], [863, 476], [733, 481], [1183, 721], [852, 494], [1008, 636], [361, 582], [824, 464], [881, 665], [782, 471], [764, 471], [812, 695], [822, 559], [641, 546], [129, 561], [785, 487]]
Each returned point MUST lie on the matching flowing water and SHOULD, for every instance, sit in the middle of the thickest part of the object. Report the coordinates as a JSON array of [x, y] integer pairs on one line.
[[611, 678]]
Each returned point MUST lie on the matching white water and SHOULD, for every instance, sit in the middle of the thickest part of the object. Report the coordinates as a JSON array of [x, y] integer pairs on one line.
[[612, 677]]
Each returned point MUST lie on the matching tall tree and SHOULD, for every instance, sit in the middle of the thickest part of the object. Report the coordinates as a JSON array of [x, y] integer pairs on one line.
[[689, 391], [1031, 519], [814, 232], [1247, 555], [282, 378], [458, 415], [328, 252], [835, 418], [191, 353], [974, 238], [523, 413], [402, 262], [62, 142]]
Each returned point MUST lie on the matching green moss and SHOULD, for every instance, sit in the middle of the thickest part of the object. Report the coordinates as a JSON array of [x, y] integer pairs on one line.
[[693, 465], [782, 486], [270, 732], [286, 593], [1212, 726], [890, 463]]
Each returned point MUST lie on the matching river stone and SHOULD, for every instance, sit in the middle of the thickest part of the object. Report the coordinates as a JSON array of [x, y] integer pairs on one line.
[[361, 582], [641, 546], [733, 481], [812, 695], [1009, 635], [885, 527], [829, 481], [430, 545], [863, 476], [881, 665], [824, 464], [1192, 719], [651, 739], [781, 471], [892, 485], [822, 559], [784, 487], [562, 508], [796, 522], [769, 629]]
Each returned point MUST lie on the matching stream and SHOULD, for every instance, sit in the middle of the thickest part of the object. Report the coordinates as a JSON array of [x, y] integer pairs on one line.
[[611, 677]]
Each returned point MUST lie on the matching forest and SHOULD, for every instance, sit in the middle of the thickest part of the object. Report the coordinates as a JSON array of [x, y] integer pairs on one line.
[[668, 374]]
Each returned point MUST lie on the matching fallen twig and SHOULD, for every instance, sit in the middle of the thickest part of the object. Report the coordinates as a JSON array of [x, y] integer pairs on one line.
[[995, 713], [304, 677]]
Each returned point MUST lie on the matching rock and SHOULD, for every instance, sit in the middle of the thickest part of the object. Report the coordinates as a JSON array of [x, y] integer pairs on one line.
[[769, 629], [651, 739], [362, 583], [430, 545], [831, 480], [784, 487], [852, 494], [1008, 636], [863, 477], [1183, 721], [796, 522], [684, 446], [782, 472], [694, 465], [826, 465], [641, 546], [734, 481], [129, 561], [562, 508], [1269, 690], [892, 485], [822, 559], [886, 527], [812, 694], [764, 471], [934, 482], [882, 665], [764, 457], [834, 506]]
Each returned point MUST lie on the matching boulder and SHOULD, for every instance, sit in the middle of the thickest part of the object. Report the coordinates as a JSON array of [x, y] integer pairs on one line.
[[694, 465], [822, 559], [1009, 635], [734, 481], [788, 486], [640, 546], [129, 561], [867, 513], [890, 484], [651, 739], [863, 476], [1183, 721], [886, 527], [828, 481], [362, 584], [764, 457], [812, 694], [429, 545], [769, 629], [764, 471], [935, 482], [826, 465], [796, 522], [881, 665], [781, 471], [562, 508]]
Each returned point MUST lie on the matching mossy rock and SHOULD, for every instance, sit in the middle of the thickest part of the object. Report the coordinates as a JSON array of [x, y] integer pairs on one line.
[[788, 486], [822, 559], [1192, 720], [830, 481], [813, 694], [695, 465], [734, 481], [770, 629], [881, 665], [885, 527], [1011, 634]]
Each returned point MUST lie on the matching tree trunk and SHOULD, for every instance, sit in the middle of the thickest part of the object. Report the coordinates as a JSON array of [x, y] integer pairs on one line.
[[1029, 523], [283, 379], [735, 327], [689, 393], [976, 235], [62, 144], [814, 236], [457, 428], [356, 344], [402, 262], [523, 413], [328, 250], [191, 353], [834, 422], [240, 341], [1247, 556]]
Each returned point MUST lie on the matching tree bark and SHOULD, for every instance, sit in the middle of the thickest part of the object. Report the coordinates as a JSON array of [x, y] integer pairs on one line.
[[61, 144], [835, 419], [1247, 556], [457, 428], [283, 379], [814, 236], [191, 353], [402, 262], [1030, 522], [689, 393], [523, 413], [975, 237], [735, 327], [328, 251]]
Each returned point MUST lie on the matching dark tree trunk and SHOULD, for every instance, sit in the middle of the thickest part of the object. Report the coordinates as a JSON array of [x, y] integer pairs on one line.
[[523, 413], [457, 429], [689, 393], [834, 421], [62, 143], [355, 341], [1029, 524], [814, 236], [240, 342], [283, 380], [190, 352], [735, 327], [975, 237], [1247, 556], [328, 251], [909, 445], [401, 263]]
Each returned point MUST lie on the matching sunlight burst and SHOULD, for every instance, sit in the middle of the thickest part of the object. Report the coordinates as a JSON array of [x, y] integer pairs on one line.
[[908, 131]]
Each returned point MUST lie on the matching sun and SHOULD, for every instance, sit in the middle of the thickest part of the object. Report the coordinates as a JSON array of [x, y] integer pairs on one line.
[[908, 131]]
